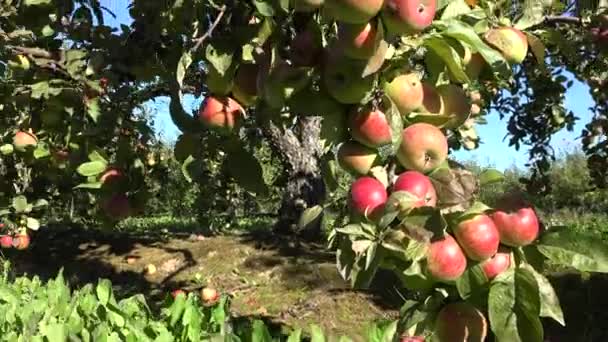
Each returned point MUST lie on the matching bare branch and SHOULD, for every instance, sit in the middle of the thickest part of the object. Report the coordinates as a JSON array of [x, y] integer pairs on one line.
[[199, 41], [563, 19]]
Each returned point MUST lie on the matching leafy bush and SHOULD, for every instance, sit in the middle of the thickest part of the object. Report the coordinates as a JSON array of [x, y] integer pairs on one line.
[[36, 311]]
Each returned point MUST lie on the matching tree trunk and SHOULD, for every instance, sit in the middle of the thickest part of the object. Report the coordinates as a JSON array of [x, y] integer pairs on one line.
[[300, 148]]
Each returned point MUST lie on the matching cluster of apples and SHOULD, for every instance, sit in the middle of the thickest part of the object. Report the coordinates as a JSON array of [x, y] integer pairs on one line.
[[209, 296], [19, 241]]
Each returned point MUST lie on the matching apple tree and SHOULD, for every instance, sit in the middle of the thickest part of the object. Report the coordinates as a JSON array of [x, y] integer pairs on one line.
[[384, 90]]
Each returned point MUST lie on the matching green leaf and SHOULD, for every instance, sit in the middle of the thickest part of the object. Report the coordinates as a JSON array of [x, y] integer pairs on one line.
[[477, 208], [220, 56], [316, 334], [264, 7], [93, 108], [407, 248], [182, 66], [514, 307], [467, 34], [260, 332], [538, 48], [20, 204], [449, 55], [41, 151], [395, 121], [401, 201], [549, 302], [533, 14], [423, 223], [454, 9], [355, 230], [566, 247], [104, 291], [94, 185], [381, 48], [36, 2], [176, 310], [295, 335], [490, 176], [32, 223], [471, 282], [310, 216], [92, 168], [7, 149], [40, 203], [56, 332], [246, 170], [370, 255], [185, 170], [98, 155]]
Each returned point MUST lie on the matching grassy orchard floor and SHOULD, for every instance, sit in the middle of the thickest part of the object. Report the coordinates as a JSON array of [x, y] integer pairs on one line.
[[280, 281]]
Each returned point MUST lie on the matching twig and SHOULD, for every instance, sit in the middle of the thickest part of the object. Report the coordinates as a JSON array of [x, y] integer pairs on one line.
[[199, 41], [563, 19]]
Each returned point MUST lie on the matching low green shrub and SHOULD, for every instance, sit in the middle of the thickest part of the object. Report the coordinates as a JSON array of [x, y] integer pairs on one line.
[[34, 311]]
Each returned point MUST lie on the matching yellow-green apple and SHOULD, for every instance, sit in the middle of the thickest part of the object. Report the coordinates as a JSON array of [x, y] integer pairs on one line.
[[511, 42], [117, 206], [432, 102], [460, 322], [518, 227], [418, 185], [423, 147], [455, 104], [475, 65], [24, 140], [21, 241], [356, 158], [353, 11], [6, 241], [357, 40], [307, 5], [370, 127], [222, 113], [497, 264], [343, 81], [445, 259], [478, 237], [406, 91], [408, 16], [244, 88], [367, 197], [475, 97]]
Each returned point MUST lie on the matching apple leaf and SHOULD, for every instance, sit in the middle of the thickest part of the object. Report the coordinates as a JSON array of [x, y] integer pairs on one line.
[[32, 223], [41, 151], [566, 247], [345, 258], [381, 47], [533, 14], [310, 216], [219, 55], [405, 247], [424, 223], [264, 7], [454, 9], [449, 55], [365, 269], [477, 208], [182, 66], [395, 122], [471, 282], [490, 176], [401, 202], [549, 302], [92, 168], [467, 34], [7, 149], [514, 307], [538, 48], [92, 185], [185, 171], [20, 204], [246, 169], [454, 186], [355, 230]]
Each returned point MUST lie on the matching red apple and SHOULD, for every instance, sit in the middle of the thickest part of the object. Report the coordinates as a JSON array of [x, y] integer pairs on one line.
[[117, 206], [111, 176], [423, 147], [23, 140], [458, 322], [357, 40], [356, 158], [418, 185], [177, 293], [408, 16], [370, 127], [498, 263], [221, 113], [6, 241], [445, 259], [411, 339], [367, 196], [517, 228], [478, 237], [21, 241], [406, 92], [432, 101], [511, 42], [353, 11], [209, 295]]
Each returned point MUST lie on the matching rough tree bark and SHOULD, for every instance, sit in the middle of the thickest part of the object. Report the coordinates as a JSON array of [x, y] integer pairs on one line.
[[300, 149]]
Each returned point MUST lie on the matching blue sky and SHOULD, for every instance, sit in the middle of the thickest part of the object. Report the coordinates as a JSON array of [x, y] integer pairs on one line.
[[493, 151]]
